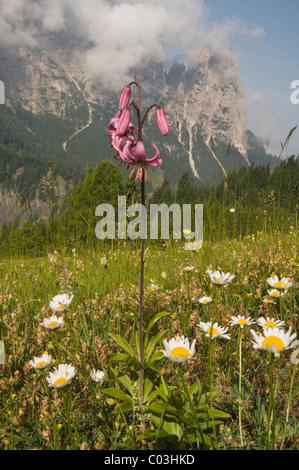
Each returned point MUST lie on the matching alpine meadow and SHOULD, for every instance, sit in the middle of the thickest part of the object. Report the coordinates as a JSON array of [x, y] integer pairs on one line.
[[148, 238]]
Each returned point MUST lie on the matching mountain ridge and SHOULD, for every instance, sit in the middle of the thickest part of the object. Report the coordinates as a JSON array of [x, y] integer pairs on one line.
[[66, 113]]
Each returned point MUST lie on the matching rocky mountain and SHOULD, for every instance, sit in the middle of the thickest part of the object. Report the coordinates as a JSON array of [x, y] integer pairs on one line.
[[54, 112]]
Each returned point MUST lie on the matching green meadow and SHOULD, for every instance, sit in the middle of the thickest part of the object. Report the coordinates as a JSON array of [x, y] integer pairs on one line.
[[227, 394]]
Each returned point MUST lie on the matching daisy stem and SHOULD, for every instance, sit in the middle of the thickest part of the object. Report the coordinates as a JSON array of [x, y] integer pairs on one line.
[[51, 411], [271, 417], [66, 401], [288, 407], [211, 378], [240, 385]]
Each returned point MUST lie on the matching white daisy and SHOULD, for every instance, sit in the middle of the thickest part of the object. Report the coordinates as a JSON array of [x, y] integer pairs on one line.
[[220, 278], [189, 268], [152, 287], [60, 302], [274, 340], [241, 320], [232, 210], [283, 283], [270, 322], [178, 349], [41, 362], [61, 376], [52, 322], [275, 293], [269, 301], [205, 300], [213, 330], [97, 375]]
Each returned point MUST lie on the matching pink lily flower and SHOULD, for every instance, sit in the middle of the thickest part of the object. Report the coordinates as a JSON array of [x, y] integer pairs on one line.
[[162, 120], [124, 121], [134, 154], [114, 122], [124, 98]]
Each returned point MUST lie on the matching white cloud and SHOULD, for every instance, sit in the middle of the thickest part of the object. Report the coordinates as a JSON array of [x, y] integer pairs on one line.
[[119, 34]]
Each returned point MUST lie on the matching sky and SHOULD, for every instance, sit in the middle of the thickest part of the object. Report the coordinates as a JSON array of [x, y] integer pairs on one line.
[[268, 63], [122, 34]]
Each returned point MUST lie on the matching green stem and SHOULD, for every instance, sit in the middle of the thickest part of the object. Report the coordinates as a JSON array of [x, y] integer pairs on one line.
[[288, 407], [141, 300], [66, 402], [240, 386], [55, 438], [271, 402]]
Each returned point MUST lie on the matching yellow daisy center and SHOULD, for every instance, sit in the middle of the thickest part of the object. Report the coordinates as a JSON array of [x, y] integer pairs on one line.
[[53, 323], [273, 341], [268, 301], [275, 294], [179, 351], [242, 321], [269, 324], [217, 280], [60, 381], [215, 332], [40, 363], [205, 301], [280, 284], [60, 306]]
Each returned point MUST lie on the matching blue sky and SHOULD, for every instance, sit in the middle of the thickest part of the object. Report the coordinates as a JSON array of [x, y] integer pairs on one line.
[[268, 64]]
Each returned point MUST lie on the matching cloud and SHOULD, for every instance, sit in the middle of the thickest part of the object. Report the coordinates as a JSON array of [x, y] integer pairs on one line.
[[116, 35]]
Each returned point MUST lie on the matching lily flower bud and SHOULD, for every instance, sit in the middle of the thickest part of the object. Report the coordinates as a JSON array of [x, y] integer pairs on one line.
[[162, 120], [124, 98], [124, 121]]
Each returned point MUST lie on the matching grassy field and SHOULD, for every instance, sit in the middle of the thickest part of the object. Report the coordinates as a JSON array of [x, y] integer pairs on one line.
[[228, 395]]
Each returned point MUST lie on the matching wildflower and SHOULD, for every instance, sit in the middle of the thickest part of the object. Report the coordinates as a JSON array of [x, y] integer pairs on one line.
[[178, 349], [41, 362], [274, 340], [60, 302], [269, 301], [97, 375], [162, 120], [123, 122], [152, 287], [189, 268], [270, 322], [53, 322], [241, 320], [277, 283], [294, 359], [232, 210], [213, 330], [124, 98], [205, 300], [133, 153], [220, 278], [61, 376], [275, 293]]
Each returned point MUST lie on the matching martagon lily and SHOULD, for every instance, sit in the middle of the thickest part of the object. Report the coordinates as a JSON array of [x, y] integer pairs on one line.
[[131, 150]]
